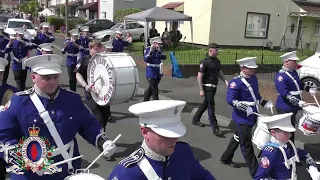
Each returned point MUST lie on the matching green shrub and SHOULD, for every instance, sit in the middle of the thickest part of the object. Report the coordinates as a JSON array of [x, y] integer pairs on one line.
[[74, 22], [121, 13], [56, 21]]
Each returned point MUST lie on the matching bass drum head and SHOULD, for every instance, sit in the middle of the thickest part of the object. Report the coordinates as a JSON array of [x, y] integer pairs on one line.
[[101, 77], [84, 176]]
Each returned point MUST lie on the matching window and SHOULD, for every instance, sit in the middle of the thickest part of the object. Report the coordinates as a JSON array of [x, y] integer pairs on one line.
[[257, 25], [18, 24], [317, 28]]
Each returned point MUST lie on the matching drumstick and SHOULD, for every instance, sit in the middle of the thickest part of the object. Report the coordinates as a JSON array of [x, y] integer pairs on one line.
[[114, 141], [65, 161], [315, 98], [271, 110], [258, 114]]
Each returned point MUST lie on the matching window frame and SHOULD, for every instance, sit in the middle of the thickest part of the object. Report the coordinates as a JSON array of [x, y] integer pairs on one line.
[[267, 29]]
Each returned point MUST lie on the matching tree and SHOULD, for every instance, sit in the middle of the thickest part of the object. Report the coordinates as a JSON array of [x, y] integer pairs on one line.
[[121, 13], [30, 7]]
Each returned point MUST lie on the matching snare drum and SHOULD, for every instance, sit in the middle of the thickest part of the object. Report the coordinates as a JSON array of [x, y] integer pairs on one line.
[[84, 176], [114, 78], [311, 110], [261, 135], [309, 124]]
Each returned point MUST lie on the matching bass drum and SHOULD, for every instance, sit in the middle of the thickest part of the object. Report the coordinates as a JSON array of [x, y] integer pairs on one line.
[[84, 176], [114, 78]]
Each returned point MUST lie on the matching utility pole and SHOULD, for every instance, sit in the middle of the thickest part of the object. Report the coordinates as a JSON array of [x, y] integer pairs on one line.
[[67, 16]]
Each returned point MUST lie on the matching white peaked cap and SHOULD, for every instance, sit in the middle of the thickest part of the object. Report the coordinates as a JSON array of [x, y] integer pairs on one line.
[[45, 64], [156, 39], [162, 116], [279, 121], [84, 28], [3, 63], [74, 32], [20, 31], [45, 24], [249, 62], [118, 31], [46, 47], [290, 55], [107, 45]]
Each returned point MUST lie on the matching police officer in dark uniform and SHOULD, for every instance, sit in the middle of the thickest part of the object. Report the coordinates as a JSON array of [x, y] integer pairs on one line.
[[153, 56], [243, 95], [208, 75], [81, 75], [4, 40], [118, 43], [290, 87]]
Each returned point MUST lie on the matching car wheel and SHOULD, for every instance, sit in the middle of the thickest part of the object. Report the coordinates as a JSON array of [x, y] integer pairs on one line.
[[106, 38], [312, 82], [142, 37]]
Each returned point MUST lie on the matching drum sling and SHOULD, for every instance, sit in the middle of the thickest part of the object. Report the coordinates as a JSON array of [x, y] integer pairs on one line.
[[147, 169], [295, 83], [44, 114], [251, 92]]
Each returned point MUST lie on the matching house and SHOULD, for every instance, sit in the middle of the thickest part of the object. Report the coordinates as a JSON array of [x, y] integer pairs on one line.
[[9, 5], [247, 23], [108, 8]]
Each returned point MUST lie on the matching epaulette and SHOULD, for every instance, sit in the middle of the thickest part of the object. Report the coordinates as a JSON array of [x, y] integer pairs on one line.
[[269, 148], [134, 158], [238, 77], [68, 90], [26, 92]]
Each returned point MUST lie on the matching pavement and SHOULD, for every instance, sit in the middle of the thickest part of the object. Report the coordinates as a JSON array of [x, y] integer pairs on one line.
[[207, 147]]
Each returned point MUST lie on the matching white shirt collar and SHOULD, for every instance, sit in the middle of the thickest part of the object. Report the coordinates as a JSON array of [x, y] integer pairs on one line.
[[151, 154], [244, 75], [286, 69], [276, 141], [42, 94]]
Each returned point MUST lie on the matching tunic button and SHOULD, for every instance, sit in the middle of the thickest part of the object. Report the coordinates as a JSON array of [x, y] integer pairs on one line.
[[70, 117], [52, 112], [169, 178]]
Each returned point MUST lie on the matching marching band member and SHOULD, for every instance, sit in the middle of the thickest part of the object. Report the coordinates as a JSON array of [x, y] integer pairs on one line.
[[118, 43], [279, 156], [4, 40], [81, 75], [84, 41], [44, 36], [72, 48], [161, 155], [243, 95], [6, 91], [290, 87], [45, 48], [56, 105], [20, 48], [153, 56]]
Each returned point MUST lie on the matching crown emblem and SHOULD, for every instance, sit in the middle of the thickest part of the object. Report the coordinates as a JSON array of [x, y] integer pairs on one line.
[[34, 131]]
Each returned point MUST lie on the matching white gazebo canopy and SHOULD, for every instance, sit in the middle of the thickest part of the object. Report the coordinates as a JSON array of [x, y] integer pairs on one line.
[[46, 12], [157, 14]]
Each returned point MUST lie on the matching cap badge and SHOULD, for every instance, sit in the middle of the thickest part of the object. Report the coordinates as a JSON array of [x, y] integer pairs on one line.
[[175, 110]]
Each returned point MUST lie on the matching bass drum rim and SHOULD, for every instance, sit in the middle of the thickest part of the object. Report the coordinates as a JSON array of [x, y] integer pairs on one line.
[[92, 175]]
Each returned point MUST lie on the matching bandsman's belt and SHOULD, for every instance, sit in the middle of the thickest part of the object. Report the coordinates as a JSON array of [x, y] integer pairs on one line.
[[210, 85], [19, 60], [249, 103], [295, 93], [153, 65], [66, 147], [72, 55]]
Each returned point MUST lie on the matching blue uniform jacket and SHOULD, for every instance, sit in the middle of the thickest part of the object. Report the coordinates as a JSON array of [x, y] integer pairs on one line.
[[73, 50], [41, 38], [154, 59], [84, 42], [119, 44], [272, 162], [3, 44], [69, 115], [238, 91], [284, 85], [19, 51], [181, 165]]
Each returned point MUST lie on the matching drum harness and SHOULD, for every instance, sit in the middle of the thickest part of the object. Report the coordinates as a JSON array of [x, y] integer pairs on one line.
[[295, 93], [62, 149], [287, 162]]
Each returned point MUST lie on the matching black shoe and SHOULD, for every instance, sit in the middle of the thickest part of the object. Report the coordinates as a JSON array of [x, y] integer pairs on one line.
[[198, 123], [231, 164], [217, 132]]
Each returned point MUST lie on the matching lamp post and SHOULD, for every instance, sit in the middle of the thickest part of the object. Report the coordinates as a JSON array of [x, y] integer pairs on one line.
[[67, 16]]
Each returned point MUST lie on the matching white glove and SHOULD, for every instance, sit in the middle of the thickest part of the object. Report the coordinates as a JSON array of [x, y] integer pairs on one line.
[[314, 173], [313, 91], [1, 108], [302, 104], [268, 105], [40, 172], [249, 111], [111, 148]]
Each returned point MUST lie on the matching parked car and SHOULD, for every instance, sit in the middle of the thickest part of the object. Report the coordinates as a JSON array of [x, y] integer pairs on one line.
[[4, 18], [134, 27], [17, 23], [309, 70], [96, 25]]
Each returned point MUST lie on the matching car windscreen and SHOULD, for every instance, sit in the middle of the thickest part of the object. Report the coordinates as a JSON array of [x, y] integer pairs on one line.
[[116, 26], [18, 24]]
